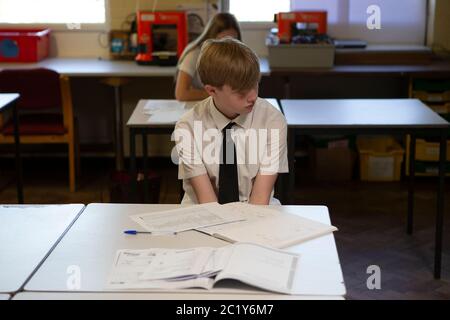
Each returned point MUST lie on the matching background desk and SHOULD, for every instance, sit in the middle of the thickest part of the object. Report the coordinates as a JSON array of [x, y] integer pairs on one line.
[[27, 235], [96, 236], [394, 116], [105, 68], [139, 124]]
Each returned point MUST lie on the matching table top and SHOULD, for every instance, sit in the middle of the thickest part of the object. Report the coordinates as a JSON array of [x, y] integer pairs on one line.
[[4, 296], [7, 98], [92, 242], [161, 296], [139, 119], [104, 68], [360, 113], [27, 234], [91, 67], [434, 69]]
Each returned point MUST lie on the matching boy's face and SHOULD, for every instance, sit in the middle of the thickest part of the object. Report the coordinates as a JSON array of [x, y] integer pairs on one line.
[[232, 103]]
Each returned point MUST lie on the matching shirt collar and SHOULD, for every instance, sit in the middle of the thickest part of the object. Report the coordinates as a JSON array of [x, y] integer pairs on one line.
[[221, 121]]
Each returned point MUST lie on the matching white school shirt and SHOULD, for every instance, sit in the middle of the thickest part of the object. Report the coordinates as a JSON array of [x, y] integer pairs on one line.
[[189, 65], [207, 118]]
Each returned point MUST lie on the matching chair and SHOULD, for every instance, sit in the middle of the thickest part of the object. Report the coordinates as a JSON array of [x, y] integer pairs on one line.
[[45, 112]]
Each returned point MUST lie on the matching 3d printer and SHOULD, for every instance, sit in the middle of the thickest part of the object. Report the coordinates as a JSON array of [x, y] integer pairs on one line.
[[301, 41], [302, 26], [162, 37]]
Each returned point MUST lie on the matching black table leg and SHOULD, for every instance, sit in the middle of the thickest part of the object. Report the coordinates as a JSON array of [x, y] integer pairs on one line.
[[144, 159], [440, 205], [18, 158], [412, 172], [133, 173], [287, 87]]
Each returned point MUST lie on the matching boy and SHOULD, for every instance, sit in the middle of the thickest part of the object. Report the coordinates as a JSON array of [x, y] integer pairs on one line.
[[232, 145]]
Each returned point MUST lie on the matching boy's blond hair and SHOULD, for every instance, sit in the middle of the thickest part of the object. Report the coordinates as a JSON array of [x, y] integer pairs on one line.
[[228, 62]]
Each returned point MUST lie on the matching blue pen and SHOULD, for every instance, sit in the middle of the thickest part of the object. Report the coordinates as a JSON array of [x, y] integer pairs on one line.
[[134, 232]]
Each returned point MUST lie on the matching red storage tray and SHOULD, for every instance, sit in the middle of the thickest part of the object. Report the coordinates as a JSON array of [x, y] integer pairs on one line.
[[24, 45]]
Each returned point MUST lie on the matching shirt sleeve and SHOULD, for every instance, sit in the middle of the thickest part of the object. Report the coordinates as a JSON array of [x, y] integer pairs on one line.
[[190, 163], [275, 157], [189, 64]]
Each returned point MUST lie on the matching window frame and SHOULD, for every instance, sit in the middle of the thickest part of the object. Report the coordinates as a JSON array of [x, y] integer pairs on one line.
[[85, 27], [248, 25]]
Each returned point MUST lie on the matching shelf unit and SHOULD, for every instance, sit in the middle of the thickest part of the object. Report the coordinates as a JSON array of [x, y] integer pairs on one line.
[[436, 94]]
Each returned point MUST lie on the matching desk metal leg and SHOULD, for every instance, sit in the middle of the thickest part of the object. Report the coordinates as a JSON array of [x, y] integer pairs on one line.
[[117, 83], [144, 159], [440, 205], [287, 87], [18, 158], [119, 131], [289, 193], [412, 172], [133, 173]]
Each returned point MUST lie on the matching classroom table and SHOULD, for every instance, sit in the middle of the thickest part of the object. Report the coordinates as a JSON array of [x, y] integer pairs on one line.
[[92, 242], [140, 124], [373, 116], [9, 100], [90, 67], [27, 234], [162, 296]]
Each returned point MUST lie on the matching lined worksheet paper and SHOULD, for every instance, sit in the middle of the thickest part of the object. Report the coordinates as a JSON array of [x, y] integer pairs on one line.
[[187, 218]]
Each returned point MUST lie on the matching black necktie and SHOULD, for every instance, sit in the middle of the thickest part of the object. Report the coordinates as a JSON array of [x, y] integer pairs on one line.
[[228, 172]]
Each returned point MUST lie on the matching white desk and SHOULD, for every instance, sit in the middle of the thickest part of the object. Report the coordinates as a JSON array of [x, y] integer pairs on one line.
[[139, 124], [161, 296], [105, 68], [27, 235], [139, 119], [5, 296], [92, 242], [370, 117]]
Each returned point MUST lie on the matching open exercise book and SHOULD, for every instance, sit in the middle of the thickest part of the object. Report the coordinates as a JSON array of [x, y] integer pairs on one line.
[[258, 266], [266, 226], [237, 222]]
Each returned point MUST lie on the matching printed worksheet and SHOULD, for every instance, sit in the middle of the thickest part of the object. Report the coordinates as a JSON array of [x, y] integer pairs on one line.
[[203, 267], [130, 265], [186, 218]]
